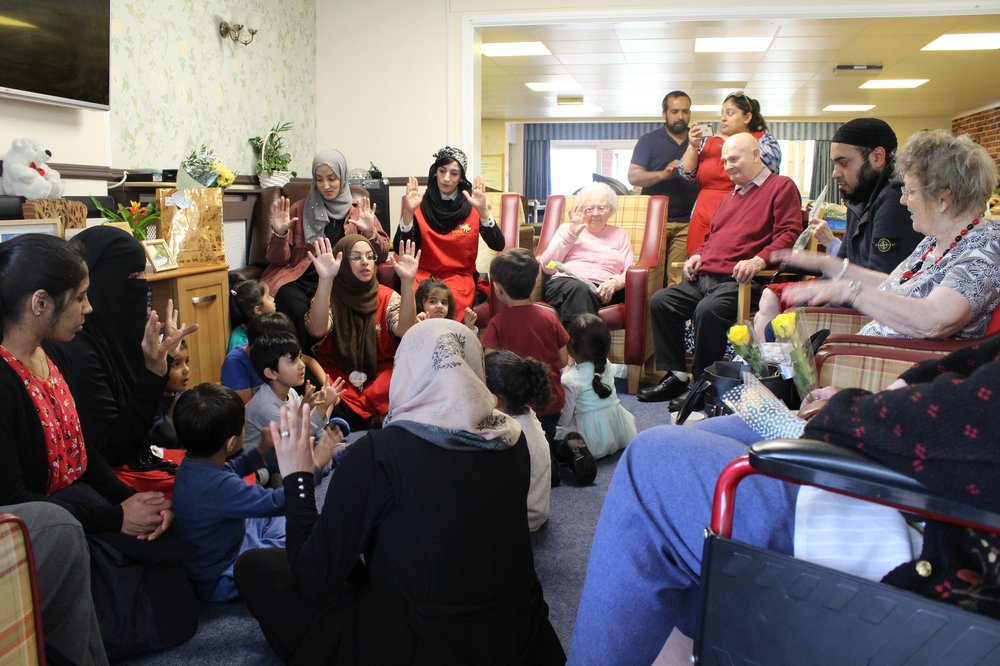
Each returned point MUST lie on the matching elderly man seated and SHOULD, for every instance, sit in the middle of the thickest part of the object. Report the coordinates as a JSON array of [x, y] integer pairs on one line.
[[761, 215]]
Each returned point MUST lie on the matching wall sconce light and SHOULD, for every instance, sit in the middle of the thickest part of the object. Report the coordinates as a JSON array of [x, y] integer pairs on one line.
[[234, 31]]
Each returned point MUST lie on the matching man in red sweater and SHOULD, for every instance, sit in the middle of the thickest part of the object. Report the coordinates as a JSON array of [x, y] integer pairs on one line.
[[763, 214]]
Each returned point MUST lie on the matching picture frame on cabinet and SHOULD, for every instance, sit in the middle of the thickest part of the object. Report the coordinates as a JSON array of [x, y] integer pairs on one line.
[[158, 255], [13, 228]]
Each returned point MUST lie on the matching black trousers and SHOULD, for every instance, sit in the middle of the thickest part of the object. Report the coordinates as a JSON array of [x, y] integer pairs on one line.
[[299, 630], [572, 297], [293, 299], [709, 302]]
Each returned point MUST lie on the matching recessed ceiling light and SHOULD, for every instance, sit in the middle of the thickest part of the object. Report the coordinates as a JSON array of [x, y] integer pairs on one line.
[[969, 42], [894, 83], [557, 84], [849, 107], [503, 49], [731, 44]]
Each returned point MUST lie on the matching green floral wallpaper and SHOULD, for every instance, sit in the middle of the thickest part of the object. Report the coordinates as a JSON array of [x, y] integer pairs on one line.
[[176, 83]]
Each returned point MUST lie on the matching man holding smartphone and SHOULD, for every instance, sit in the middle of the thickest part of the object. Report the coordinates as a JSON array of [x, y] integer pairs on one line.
[[654, 168]]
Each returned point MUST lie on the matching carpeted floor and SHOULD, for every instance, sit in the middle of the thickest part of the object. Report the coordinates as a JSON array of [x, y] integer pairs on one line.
[[228, 635]]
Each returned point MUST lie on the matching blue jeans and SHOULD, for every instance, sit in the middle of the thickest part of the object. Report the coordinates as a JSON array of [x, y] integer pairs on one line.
[[645, 562]]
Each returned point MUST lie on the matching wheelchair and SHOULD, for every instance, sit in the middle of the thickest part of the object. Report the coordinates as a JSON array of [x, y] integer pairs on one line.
[[761, 608]]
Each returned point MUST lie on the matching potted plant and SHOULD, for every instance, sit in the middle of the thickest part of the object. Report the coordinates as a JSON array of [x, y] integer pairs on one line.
[[136, 216], [272, 158]]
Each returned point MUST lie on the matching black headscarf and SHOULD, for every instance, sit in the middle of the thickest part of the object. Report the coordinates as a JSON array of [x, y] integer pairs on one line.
[[443, 215], [115, 327]]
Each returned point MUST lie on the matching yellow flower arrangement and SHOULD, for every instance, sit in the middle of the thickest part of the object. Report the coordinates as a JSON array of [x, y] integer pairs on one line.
[[739, 335], [226, 177], [786, 329]]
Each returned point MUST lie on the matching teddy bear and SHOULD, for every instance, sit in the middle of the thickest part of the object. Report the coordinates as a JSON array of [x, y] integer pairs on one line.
[[26, 172]]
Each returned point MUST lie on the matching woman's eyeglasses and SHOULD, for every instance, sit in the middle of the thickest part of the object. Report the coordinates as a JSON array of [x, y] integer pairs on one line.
[[590, 210], [358, 258], [907, 191]]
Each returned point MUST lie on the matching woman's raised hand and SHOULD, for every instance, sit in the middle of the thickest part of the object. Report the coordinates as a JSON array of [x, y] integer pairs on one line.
[[413, 197], [155, 348], [366, 217], [577, 219], [280, 216], [478, 198], [406, 261], [327, 266], [293, 440]]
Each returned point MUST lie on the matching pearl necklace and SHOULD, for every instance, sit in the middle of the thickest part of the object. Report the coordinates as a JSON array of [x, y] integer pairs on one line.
[[918, 267]]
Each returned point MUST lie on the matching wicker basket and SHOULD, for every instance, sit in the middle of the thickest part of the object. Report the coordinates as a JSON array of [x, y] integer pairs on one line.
[[274, 179]]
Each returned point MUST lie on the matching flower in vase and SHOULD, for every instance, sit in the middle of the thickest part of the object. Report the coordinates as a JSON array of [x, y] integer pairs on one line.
[[786, 329], [739, 335]]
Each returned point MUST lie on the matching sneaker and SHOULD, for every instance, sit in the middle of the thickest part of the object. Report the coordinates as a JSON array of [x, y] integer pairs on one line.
[[263, 476], [579, 458]]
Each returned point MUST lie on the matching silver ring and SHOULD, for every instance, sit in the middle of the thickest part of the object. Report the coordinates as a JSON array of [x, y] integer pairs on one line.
[[284, 433]]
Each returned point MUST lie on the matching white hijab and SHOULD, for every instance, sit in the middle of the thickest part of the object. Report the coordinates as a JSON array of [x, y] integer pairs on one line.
[[437, 383]]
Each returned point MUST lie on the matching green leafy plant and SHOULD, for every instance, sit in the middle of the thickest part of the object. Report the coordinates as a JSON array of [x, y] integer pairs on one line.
[[272, 157], [137, 216]]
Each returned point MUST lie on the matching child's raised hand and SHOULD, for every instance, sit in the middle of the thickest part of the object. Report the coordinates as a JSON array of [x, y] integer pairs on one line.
[[266, 444], [422, 316], [292, 439], [327, 266], [329, 445], [469, 319], [329, 395]]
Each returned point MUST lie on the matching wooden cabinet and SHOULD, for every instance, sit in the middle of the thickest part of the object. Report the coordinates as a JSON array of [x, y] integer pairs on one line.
[[201, 295]]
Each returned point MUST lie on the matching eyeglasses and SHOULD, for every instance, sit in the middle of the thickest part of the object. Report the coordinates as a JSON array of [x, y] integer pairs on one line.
[[590, 210], [907, 191], [358, 258]]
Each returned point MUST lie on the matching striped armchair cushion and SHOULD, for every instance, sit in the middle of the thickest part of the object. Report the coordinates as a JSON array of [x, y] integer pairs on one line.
[[19, 618], [839, 321], [866, 368], [485, 255]]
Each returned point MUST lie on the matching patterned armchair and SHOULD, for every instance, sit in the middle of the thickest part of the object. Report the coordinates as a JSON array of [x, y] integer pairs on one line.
[[21, 620], [644, 219]]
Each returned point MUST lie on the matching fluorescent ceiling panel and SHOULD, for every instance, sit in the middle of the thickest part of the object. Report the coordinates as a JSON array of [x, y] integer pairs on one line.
[[894, 83], [968, 42]]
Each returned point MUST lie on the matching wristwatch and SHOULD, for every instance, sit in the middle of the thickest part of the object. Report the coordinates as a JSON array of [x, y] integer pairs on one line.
[[855, 289]]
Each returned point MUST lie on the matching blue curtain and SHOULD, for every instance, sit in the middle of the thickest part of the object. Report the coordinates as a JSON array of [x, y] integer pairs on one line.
[[537, 138]]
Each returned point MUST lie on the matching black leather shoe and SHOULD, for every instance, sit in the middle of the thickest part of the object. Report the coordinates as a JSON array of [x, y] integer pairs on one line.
[[669, 388]]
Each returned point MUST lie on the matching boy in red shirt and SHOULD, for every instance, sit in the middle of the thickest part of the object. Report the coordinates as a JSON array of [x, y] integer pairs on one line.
[[533, 329]]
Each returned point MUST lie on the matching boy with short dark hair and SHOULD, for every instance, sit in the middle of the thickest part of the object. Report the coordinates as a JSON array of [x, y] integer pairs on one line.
[[214, 509], [527, 328], [277, 358]]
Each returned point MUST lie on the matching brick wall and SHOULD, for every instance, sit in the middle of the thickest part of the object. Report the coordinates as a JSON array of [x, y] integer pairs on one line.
[[984, 127]]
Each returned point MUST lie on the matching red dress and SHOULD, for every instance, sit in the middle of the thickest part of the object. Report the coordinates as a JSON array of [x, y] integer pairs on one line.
[[373, 398], [715, 184], [451, 258]]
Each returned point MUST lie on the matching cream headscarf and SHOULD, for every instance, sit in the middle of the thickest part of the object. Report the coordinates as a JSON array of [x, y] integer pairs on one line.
[[437, 384], [318, 212]]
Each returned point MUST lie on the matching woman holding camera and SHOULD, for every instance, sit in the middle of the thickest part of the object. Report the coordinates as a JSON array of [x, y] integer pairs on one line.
[[702, 161]]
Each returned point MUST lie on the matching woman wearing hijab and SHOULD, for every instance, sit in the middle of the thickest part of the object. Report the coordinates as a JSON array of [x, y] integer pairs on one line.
[[359, 322], [142, 596], [118, 366], [435, 504], [328, 211], [446, 222]]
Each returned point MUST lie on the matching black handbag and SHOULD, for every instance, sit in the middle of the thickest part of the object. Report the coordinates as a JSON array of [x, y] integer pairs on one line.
[[720, 377]]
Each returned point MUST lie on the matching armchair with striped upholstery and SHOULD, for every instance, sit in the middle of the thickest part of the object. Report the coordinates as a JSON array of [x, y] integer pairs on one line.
[[644, 220], [21, 640]]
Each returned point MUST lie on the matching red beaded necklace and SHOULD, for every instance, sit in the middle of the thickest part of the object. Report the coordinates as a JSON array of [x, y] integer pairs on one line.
[[918, 267]]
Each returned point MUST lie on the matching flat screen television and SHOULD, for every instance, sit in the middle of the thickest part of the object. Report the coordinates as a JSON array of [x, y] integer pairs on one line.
[[56, 51]]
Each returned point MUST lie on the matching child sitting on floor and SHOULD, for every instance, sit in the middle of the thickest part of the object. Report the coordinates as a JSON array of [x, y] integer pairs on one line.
[[435, 301], [238, 372], [249, 300], [592, 407], [278, 360], [215, 511], [516, 382]]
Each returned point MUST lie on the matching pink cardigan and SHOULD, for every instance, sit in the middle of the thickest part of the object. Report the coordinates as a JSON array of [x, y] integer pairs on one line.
[[286, 255]]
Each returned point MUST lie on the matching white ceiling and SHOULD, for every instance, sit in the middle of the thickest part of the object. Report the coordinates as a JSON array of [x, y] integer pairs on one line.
[[626, 67]]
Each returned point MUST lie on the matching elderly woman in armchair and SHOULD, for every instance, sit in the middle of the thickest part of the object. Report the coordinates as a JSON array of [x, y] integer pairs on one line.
[[592, 256], [949, 285]]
